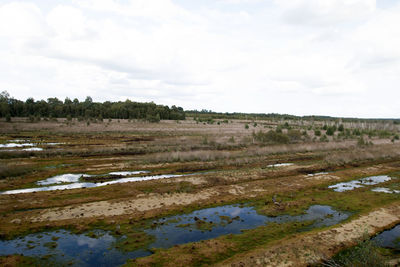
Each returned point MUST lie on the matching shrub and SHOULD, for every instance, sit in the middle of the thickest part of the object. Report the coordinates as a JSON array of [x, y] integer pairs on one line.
[[294, 135], [153, 118], [341, 128], [331, 130], [8, 118], [205, 140], [356, 132], [271, 137], [317, 132], [246, 126], [324, 138]]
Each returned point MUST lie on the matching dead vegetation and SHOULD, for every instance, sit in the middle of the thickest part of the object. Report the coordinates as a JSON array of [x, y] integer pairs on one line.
[[235, 166]]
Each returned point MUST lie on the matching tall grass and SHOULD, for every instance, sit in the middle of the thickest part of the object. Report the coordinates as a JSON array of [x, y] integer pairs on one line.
[[364, 254]]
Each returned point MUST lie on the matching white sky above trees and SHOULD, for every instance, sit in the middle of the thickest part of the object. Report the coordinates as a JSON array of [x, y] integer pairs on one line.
[[302, 57]]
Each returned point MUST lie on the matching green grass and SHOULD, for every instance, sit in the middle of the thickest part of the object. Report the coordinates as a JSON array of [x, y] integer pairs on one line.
[[365, 253]]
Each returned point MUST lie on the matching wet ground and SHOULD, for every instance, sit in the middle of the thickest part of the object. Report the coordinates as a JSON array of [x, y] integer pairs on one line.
[[99, 249]]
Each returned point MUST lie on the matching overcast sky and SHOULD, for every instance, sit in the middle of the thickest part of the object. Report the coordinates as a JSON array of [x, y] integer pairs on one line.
[[302, 57]]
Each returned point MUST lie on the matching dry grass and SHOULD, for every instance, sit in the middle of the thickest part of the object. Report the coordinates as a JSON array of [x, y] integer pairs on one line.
[[381, 152]]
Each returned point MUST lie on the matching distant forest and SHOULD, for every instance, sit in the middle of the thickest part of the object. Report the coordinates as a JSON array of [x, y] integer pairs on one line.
[[208, 115], [55, 108]]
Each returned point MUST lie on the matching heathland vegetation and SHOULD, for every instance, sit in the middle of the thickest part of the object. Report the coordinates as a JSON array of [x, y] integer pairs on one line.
[[269, 165]]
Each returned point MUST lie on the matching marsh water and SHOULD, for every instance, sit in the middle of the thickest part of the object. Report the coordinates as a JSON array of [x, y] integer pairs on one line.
[[65, 247], [389, 238], [372, 180], [73, 181]]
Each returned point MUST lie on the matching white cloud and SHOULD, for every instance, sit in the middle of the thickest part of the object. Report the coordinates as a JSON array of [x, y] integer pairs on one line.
[[20, 19], [331, 57], [322, 13]]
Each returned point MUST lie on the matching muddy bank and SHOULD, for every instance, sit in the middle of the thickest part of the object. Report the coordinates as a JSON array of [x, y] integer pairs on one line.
[[314, 247]]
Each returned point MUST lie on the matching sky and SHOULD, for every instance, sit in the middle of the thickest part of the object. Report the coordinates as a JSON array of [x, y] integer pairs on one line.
[[301, 57]]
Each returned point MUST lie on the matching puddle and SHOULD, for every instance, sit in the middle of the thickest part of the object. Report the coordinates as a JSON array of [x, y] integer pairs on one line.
[[32, 149], [231, 219], [63, 178], [317, 173], [13, 145], [128, 173], [52, 144], [167, 232], [18, 144], [73, 180], [66, 248], [372, 180], [18, 141], [280, 165], [389, 238], [385, 190]]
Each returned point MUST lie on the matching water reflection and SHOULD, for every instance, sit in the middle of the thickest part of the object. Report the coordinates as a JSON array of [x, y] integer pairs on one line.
[[372, 180], [100, 250]]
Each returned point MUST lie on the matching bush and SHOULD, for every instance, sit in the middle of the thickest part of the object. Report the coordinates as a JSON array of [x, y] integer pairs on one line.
[[294, 135], [356, 132], [8, 118], [271, 137], [153, 118], [317, 132], [324, 138], [341, 128], [246, 126], [331, 130], [205, 140]]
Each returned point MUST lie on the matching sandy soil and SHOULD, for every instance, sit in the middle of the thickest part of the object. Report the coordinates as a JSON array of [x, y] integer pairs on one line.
[[135, 206], [107, 208], [303, 250], [155, 201]]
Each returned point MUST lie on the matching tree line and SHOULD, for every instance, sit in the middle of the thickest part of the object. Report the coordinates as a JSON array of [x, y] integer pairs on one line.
[[55, 108], [206, 115]]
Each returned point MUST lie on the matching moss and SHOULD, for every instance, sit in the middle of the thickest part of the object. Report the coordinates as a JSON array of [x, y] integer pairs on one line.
[[51, 245], [18, 261], [134, 241]]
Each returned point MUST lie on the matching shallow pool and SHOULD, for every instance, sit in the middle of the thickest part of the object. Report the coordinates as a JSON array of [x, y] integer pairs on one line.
[[64, 246], [372, 180], [389, 238]]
